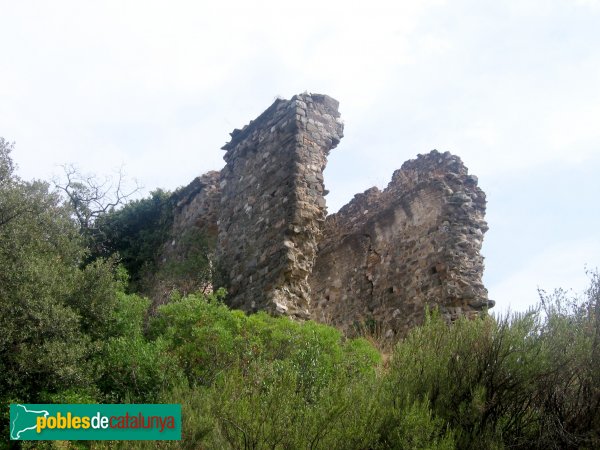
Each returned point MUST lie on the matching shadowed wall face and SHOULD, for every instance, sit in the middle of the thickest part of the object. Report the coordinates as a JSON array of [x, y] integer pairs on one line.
[[272, 205], [192, 235]]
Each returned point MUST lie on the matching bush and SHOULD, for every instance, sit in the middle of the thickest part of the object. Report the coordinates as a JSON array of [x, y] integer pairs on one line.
[[528, 381], [525, 381], [52, 309], [208, 339], [191, 269], [269, 381], [42, 345], [132, 370], [267, 407], [136, 232]]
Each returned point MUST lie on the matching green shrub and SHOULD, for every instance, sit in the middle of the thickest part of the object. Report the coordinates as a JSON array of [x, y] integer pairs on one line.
[[202, 332], [134, 370], [128, 315], [136, 232], [266, 407], [94, 297], [471, 373], [209, 339], [526, 381], [414, 426], [128, 366]]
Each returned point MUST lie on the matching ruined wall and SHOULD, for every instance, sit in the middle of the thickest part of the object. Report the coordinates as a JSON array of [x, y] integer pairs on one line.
[[197, 206], [380, 260], [272, 205], [388, 254], [195, 216]]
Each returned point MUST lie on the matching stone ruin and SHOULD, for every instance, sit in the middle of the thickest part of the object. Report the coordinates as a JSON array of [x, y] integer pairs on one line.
[[383, 258]]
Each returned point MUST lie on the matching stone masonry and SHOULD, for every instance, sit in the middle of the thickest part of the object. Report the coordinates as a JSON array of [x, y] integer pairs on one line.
[[196, 210], [388, 254], [197, 206], [272, 207], [381, 259]]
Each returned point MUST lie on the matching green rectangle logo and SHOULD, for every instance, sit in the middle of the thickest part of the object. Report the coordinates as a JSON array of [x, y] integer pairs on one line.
[[63, 422]]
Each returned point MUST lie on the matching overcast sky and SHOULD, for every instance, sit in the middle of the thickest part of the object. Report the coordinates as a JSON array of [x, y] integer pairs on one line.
[[512, 87]]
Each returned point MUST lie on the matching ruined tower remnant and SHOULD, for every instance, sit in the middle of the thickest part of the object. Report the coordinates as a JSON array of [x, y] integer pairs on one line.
[[388, 254], [383, 258], [272, 206]]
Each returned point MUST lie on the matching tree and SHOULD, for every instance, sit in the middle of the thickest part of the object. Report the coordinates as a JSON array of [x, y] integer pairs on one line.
[[91, 197], [136, 233], [11, 187], [49, 306]]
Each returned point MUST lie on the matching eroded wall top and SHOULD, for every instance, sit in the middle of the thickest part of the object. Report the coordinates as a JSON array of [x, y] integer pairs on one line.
[[381, 260], [388, 254], [272, 204]]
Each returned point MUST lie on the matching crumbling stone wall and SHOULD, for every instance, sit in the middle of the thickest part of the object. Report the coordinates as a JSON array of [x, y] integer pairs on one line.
[[388, 254], [381, 259], [197, 207], [195, 214], [272, 206]]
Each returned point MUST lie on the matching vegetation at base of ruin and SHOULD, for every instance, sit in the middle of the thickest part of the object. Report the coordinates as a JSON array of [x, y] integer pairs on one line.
[[73, 331], [136, 232], [193, 269], [528, 381]]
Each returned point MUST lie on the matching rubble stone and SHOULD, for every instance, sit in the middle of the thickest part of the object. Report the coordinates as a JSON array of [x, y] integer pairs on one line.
[[272, 206], [388, 254], [384, 257]]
